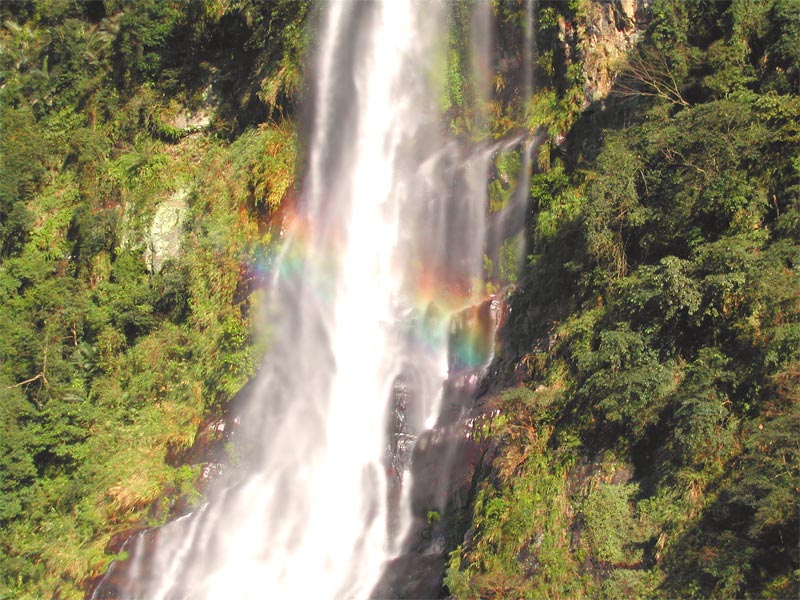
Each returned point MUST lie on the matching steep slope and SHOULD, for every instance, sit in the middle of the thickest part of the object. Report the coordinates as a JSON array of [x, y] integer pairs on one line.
[[136, 195], [647, 446], [637, 435]]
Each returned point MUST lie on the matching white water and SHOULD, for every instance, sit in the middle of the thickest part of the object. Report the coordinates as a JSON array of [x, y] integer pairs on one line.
[[392, 222]]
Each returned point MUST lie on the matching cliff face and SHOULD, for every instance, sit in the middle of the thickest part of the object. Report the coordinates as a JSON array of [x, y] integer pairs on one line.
[[602, 36], [636, 433], [457, 459]]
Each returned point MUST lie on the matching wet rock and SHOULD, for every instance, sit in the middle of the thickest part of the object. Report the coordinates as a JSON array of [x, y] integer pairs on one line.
[[442, 469], [117, 541], [471, 341], [115, 584], [213, 435], [402, 435], [445, 460], [412, 576]]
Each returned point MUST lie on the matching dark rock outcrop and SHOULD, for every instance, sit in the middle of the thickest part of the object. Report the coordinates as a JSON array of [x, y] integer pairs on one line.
[[445, 462]]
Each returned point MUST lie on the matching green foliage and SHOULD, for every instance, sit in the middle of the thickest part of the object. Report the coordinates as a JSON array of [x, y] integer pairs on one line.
[[105, 364], [611, 529], [278, 32], [624, 379], [508, 265], [554, 113], [623, 584], [612, 205], [506, 172], [144, 29], [659, 315], [23, 152], [704, 427], [264, 159], [556, 203], [434, 517], [781, 41], [459, 96], [520, 548]]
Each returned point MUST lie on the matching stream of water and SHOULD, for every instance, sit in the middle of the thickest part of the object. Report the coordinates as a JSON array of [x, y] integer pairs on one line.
[[388, 242]]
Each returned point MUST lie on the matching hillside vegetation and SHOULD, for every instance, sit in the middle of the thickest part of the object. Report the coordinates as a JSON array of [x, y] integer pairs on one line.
[[648, 444], [648, 376], [144, 146]]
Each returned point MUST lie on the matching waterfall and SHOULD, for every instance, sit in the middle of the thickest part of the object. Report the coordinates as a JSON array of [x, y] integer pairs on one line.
[[388, 242]]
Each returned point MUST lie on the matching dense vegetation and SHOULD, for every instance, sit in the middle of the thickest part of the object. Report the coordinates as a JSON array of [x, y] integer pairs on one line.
[[650, 447], [648, 438], [135, 183]]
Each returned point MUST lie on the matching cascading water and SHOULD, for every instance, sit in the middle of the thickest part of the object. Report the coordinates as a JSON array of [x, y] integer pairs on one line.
[[388, 241]]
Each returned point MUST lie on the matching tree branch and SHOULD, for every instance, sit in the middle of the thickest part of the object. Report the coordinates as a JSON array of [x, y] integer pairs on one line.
[[40, 375], [649, 74]]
